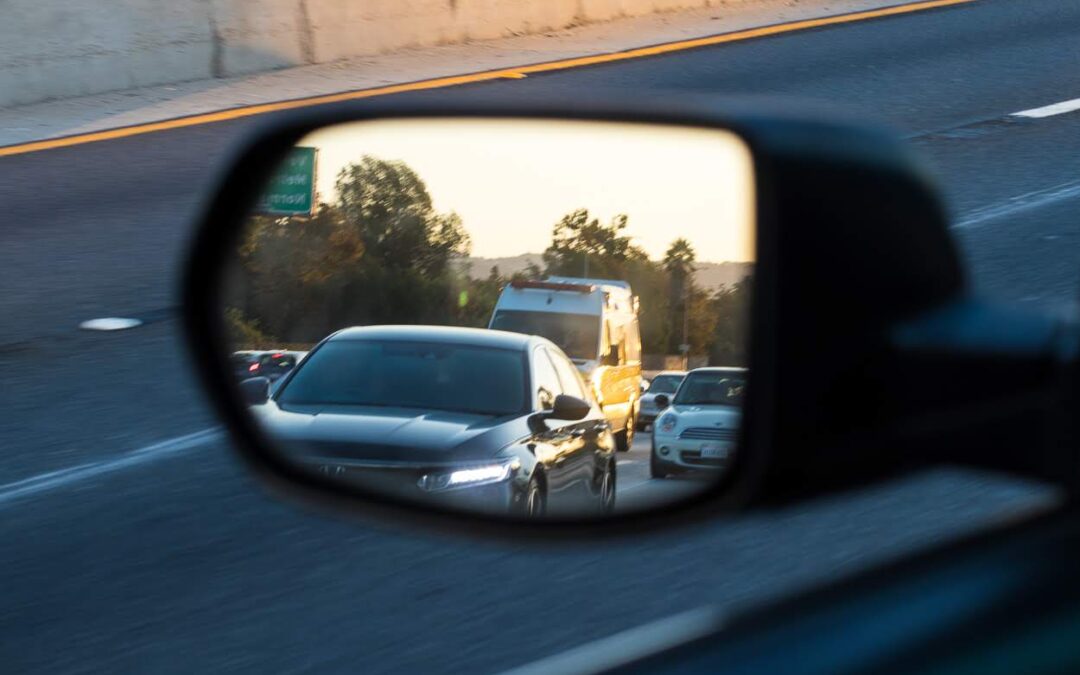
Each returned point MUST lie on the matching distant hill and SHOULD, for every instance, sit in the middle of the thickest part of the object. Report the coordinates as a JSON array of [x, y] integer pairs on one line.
[[479, 268], [709, 274], [714, 275]]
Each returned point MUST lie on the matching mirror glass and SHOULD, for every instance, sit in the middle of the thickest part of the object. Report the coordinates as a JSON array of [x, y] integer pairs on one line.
[[481, 313]]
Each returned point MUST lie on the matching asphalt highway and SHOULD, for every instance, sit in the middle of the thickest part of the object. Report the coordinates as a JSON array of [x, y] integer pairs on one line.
[[132, 540]]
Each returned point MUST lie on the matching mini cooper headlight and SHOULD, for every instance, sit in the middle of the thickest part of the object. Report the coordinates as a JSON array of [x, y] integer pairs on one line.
[[667, 423]]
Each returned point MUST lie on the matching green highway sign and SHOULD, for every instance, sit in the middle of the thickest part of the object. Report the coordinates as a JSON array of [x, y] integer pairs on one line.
[[291, 191]]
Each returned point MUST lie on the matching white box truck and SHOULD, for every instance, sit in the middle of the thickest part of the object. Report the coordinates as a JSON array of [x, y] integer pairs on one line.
[[595, 321]]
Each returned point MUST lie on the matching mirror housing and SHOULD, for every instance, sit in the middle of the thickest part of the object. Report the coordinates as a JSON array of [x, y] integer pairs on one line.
[[645, 384], [662, 401], [859, 292], [255, 390], [569, 408], [565, 407]]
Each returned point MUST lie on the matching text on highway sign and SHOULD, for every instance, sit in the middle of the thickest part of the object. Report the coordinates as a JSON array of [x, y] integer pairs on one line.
[[291, 191]]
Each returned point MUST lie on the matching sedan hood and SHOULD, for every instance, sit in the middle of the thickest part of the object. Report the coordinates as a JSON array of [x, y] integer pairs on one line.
[[386, 434]]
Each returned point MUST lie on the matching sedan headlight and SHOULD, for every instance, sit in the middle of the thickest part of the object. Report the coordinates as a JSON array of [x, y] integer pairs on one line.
[[667, 423], [470, 476]]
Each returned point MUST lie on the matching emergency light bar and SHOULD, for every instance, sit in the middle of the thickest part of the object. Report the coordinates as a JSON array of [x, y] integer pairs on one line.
[[552, 286]]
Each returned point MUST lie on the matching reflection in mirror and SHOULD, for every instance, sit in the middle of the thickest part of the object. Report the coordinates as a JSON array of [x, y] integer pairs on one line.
[[536, 318]]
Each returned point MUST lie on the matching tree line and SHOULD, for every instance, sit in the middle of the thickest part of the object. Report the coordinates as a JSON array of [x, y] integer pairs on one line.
[[381, 254]]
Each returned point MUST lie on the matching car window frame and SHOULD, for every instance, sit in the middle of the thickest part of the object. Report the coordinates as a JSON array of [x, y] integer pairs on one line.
[[539, 353], [571, 370]]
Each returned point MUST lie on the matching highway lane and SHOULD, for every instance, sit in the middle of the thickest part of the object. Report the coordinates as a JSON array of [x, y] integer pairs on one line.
[[99, 229], [637, 490], [184, 564], [1028, 254], [187, 565]]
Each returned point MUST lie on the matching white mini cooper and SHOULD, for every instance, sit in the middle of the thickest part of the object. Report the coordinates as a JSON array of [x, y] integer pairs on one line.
[[699, 429]]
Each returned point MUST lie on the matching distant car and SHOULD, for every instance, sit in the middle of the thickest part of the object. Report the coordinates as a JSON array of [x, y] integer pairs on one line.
[[664, 383], [699, 429], [271, 364], [483, 419]]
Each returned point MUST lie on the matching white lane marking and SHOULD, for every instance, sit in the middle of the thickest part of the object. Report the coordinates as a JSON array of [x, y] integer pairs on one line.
[[110, 323], [622, 487], [626, 647], [675, 483], [63, 477], [1024, 202], [1050, 110]]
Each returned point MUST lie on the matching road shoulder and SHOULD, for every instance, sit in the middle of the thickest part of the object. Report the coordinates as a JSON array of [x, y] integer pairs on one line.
[[152, 104]]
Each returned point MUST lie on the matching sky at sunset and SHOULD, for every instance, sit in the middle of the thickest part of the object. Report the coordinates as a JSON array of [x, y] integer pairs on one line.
[[511, 181]]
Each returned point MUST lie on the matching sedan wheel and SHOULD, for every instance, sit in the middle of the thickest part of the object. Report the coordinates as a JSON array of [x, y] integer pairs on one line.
[[535, 501], [607, 489]]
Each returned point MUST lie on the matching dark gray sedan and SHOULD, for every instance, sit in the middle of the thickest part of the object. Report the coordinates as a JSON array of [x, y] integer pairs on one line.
[[481, 419]]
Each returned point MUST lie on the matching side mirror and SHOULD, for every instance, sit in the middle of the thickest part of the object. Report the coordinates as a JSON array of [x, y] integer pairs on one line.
[[565, 408], [644, 386], [255, 390], [662, 401], [569, 408], [852, 287]]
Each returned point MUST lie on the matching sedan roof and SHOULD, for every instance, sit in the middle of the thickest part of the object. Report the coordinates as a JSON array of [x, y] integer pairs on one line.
[[479, 337]]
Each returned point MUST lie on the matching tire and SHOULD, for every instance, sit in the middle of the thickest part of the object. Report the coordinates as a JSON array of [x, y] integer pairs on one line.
[[625, 438], [535, 505], [656, 470], [607, 489]]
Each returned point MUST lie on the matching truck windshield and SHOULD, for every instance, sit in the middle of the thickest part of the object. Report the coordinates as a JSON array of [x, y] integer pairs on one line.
[[577, 334]]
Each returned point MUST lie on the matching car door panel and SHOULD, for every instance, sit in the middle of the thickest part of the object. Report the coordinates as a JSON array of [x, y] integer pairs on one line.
[[583, 442], [554, 443]]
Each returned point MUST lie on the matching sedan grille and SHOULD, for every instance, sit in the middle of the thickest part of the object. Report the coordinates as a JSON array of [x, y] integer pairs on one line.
[[708, 434]]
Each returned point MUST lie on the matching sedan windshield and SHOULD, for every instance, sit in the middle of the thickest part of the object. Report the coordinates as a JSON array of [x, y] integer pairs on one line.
[[711, 389], [429, 376], [665, 384], [577, 334]]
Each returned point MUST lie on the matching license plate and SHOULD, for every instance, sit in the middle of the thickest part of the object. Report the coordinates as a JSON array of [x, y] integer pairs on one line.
[[714, 451]]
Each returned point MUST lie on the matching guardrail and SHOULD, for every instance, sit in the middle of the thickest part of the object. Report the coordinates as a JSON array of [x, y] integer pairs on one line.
[[58, 48]]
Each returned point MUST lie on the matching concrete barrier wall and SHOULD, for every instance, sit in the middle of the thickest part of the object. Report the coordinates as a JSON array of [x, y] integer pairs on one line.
[[60, 48]]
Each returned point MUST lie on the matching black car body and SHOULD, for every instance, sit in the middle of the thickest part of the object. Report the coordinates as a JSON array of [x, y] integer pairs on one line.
[[457, 415]]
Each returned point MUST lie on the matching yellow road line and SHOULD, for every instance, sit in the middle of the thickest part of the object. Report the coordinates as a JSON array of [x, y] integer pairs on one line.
[[517, 72]]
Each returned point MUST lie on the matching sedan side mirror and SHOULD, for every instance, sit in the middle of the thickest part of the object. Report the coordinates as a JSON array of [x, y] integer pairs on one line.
[[569, 408], [662, 401], [255, 390], [644, 386], [565, 407]]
